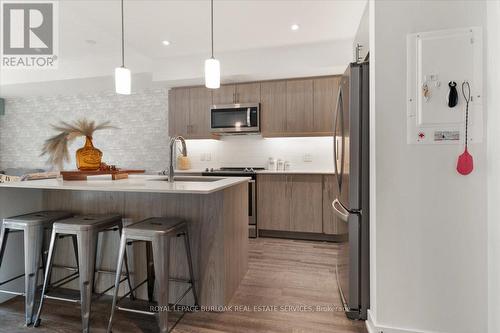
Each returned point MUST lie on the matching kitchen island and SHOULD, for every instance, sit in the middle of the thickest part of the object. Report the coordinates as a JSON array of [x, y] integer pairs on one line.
[[215, 208]]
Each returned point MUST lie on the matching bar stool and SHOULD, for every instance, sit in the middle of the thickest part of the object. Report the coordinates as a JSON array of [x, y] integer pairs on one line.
[[34, 226], [159, 232], [86, 229]]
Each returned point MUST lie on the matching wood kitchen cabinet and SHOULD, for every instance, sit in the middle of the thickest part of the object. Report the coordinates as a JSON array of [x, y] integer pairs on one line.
[[293, 107], [299, 106], [292, 203], [189, 112], [325, 92], [332, 225], [237, 93], [306, 203], [273, 108], [224, 95], [248, 93], [273, 202], [199, 113], [178, 111]]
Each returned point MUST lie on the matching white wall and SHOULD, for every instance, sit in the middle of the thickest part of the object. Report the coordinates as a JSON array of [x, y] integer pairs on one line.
[[429, 229], [493, 102]]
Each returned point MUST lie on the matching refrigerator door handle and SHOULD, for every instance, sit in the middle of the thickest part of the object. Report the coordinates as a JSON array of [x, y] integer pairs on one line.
[[340, 211], [335, 146]]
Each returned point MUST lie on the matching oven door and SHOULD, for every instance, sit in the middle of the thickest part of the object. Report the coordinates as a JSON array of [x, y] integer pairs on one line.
[[235, 118], [252, 210]]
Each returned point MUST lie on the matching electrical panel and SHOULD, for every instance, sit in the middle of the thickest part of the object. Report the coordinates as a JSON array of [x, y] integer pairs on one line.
[[438, 64]]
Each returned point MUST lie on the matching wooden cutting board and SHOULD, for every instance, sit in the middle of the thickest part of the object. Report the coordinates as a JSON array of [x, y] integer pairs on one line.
[[82, 175]]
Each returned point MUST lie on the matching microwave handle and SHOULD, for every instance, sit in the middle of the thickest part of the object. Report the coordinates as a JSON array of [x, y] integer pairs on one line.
[[248, 117]]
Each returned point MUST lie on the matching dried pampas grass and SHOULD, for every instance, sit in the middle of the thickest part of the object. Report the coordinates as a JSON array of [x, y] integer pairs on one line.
[[56, 147]]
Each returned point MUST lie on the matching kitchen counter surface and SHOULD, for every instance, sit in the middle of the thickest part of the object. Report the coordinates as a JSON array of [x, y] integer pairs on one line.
[[135, 183], [287, 172], [296, 172]]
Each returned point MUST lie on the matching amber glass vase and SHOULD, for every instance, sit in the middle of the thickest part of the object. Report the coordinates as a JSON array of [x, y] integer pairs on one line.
[[88, 158]]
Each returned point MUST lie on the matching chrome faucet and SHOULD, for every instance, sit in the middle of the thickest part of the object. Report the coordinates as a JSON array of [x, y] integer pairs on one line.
[[173, 140]]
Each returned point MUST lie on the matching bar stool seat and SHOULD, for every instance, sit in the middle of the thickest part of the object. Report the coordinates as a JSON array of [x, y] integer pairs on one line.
[[45, 218], [86, 229], [155, 226], [158, 231], [90, 222], [33, 225]]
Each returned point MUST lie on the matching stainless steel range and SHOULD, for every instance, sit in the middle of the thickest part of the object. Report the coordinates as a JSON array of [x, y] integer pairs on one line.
[[252, 202]]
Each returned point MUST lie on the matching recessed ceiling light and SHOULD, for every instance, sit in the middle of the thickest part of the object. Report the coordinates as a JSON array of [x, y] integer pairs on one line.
[[166, 42], [90, 41], [294, 27]]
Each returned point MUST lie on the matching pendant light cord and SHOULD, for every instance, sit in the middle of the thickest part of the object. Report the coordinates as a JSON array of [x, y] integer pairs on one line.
[[211, 25], [123, 39]]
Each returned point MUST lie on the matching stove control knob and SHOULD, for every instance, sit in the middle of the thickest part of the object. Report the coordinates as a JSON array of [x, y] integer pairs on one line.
[[206, 170], [211, 169]]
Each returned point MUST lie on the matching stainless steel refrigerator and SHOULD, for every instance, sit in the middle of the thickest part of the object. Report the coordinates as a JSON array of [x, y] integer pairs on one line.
[[351, 157]]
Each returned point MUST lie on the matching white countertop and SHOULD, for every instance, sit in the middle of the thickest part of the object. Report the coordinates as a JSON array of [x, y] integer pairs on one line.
[[296, 172], [135, 183], [286, 172]]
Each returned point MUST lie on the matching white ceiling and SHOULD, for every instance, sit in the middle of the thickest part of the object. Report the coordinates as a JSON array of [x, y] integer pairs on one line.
[[239, 25]]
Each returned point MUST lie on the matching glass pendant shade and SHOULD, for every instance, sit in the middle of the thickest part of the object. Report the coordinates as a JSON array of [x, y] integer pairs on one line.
[[212, 73], [122, 80]]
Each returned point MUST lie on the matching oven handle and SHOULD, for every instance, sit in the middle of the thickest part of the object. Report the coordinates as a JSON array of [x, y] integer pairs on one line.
[[252, 184]]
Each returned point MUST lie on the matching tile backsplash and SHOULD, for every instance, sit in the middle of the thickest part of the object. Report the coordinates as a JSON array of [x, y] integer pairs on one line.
[[253, 150], [142, 138]]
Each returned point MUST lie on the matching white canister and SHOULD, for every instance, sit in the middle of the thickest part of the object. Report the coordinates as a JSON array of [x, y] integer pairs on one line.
[[271, 164], [280, 165]]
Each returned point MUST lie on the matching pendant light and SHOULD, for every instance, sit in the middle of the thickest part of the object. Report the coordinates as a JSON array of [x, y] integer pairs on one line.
[[123, 79], [212, 65]]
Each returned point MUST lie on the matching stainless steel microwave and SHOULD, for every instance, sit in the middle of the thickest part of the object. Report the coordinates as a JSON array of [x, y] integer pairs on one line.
[[235, 118]]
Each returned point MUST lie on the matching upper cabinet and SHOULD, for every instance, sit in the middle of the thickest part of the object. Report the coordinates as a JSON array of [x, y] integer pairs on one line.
[[199, 113], [273, 108], [248, 93], [178, 111], [226, 94], [189, 112], [237, 93], [299, 106], [294, 107], [325, 102]]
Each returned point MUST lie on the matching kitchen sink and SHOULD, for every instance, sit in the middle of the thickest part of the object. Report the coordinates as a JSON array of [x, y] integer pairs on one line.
[[190, 179]]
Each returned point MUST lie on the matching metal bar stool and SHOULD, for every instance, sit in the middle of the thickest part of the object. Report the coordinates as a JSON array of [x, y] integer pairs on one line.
[[34, 226], [86, 229], [159, 232]]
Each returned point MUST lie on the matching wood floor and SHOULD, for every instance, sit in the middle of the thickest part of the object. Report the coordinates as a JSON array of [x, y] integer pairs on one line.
[[283, 276]]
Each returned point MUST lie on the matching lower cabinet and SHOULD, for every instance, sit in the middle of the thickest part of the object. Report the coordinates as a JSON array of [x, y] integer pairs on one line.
[[273, 202], [306, 203], [297, 203]]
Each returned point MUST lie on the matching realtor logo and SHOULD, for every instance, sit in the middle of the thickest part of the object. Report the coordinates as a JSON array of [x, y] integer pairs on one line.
[[29, 34]]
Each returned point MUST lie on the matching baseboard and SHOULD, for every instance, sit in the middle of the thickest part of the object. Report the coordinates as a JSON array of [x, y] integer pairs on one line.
[[373, 327], [302, 236], [370, 326]]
